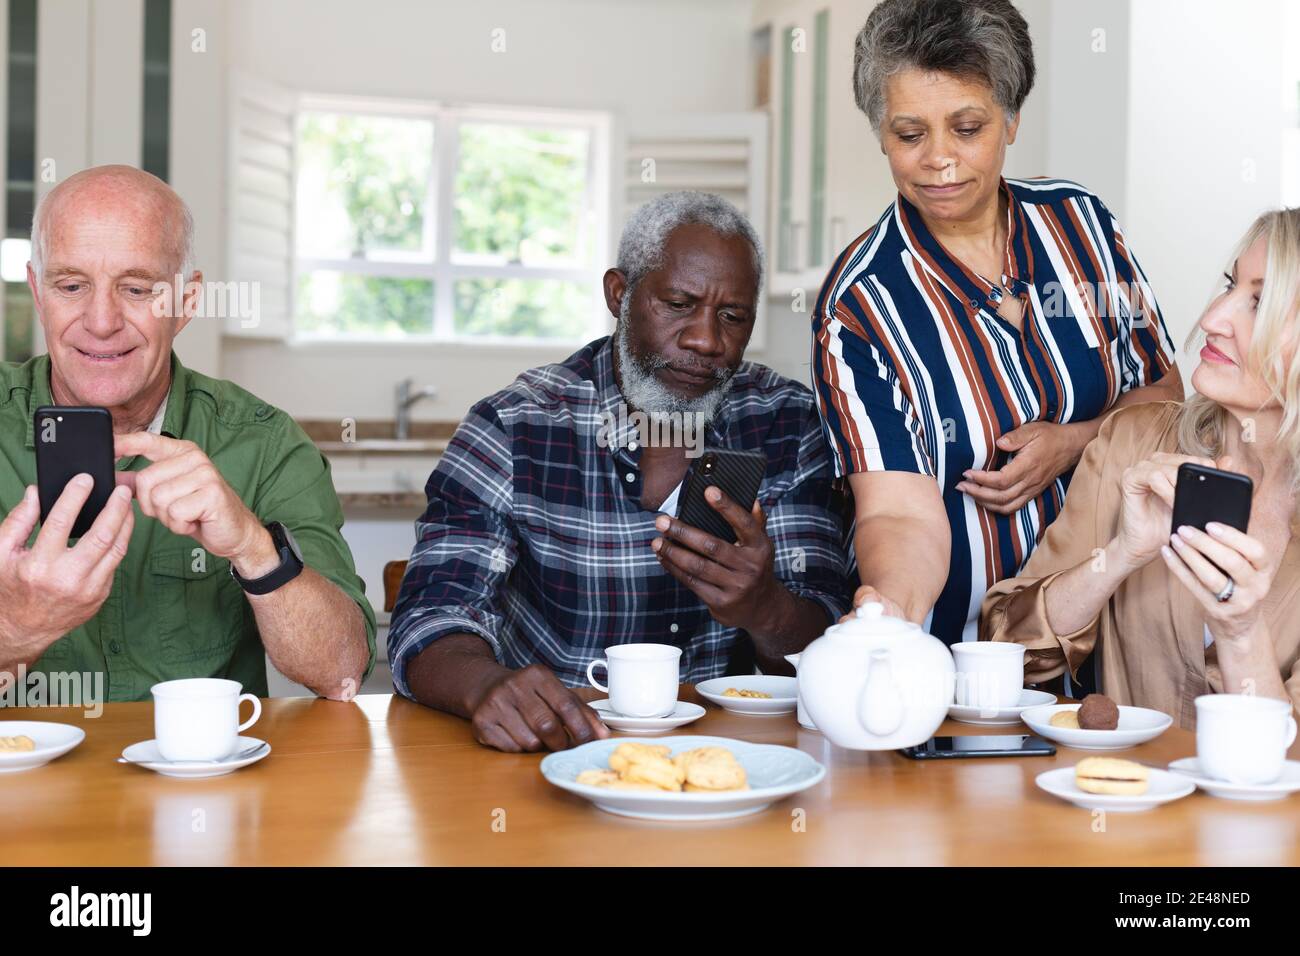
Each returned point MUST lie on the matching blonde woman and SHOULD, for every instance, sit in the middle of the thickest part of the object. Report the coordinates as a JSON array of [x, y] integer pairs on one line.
[[1169, 625]]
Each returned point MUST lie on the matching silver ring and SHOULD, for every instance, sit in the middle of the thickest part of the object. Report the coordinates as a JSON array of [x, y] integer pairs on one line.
[[1226, 594]]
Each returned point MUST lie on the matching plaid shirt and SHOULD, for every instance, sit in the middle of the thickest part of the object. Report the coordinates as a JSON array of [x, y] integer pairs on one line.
[[535, 539]]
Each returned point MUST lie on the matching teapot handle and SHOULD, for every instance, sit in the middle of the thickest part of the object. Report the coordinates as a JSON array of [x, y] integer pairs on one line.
[[880, 705]]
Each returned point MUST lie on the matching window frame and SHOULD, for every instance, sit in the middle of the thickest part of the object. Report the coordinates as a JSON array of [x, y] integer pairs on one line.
[[442, 270]]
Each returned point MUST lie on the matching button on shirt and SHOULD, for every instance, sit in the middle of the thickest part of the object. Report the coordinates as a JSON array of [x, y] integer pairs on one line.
[[535, 539], [174, 610], [915, 371]]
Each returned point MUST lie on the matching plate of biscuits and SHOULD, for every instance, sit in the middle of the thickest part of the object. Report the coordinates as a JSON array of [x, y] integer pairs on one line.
[[754, 695], [1096, 724], [27, 744], [1111, 783], [682, 778]]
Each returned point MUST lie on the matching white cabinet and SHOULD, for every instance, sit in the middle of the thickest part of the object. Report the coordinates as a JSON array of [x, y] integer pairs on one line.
[[794, 39], [828, 181]]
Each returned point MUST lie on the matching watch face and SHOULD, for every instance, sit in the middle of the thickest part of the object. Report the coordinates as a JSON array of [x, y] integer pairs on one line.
[[293, 545]]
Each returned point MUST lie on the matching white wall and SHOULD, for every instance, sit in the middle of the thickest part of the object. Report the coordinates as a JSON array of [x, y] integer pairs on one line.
[[1084, 69], [1204, 141]]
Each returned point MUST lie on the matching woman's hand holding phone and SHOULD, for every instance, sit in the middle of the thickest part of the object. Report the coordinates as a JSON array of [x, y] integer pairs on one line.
[[1148, 501], [1203, 561], [49, 589]]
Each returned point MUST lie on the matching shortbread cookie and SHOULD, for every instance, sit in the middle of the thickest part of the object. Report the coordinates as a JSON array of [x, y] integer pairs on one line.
[[1069, 719]]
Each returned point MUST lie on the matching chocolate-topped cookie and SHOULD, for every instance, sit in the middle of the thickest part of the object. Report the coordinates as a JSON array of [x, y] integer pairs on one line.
[[1098, 712]]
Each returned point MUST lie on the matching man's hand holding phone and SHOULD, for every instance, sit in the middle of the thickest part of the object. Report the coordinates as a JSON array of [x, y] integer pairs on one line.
[[183, 490], [735, 581], [50, 589]]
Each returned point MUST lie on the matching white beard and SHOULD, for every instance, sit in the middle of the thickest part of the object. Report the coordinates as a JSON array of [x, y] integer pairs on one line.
[[643, 390]]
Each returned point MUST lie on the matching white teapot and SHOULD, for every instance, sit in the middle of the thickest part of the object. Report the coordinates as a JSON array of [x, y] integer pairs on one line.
[[876, 682]]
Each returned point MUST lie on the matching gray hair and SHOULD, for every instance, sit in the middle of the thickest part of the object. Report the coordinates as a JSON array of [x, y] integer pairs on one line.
[[985, 40], [641, 249], [183, 241]]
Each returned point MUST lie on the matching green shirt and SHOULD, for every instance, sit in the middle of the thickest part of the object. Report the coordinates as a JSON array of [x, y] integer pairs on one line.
[[174, 610]]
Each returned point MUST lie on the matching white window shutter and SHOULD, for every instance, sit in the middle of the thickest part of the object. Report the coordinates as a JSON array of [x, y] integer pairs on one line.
[[723, 153], [260, 190]]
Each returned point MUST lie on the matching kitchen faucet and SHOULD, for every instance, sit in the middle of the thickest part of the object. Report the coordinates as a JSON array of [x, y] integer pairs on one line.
[[406, 396]]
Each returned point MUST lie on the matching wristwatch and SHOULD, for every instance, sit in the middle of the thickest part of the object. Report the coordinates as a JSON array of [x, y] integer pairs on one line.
[[290, 563]]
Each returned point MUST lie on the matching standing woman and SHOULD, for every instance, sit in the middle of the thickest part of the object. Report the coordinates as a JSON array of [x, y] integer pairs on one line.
[[967, 347]]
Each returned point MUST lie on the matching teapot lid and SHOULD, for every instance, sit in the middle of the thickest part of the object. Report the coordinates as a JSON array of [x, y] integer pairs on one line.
[[871, 619]]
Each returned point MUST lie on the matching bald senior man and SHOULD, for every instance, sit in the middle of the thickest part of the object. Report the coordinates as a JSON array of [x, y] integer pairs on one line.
[[221, 543]]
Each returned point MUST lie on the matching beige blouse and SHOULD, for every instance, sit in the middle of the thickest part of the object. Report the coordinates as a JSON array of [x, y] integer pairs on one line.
[[1151, 635]]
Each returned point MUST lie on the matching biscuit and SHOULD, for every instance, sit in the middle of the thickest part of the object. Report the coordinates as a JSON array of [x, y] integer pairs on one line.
[[711, 768], [756, 694], [596, 778], [624, 754], [19, 744], [1068, 719], [1111, 775], [1098, 712], [653, 769]]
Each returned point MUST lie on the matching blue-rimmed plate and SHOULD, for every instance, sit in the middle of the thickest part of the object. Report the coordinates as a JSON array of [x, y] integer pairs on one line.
[[774, 772]]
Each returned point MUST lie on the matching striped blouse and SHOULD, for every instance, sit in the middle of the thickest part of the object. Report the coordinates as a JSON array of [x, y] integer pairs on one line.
[[915, 371]]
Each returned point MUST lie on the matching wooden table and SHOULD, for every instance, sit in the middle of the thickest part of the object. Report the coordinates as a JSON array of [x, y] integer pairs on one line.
[[383, 781]]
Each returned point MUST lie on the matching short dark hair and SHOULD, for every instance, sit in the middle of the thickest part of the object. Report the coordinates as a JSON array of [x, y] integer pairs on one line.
[[985, 40]]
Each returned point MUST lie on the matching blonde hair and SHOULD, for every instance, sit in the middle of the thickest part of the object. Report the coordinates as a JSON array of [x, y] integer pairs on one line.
[[1202, 422]]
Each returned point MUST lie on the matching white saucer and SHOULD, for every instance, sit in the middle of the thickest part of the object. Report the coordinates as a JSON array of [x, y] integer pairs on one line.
[[683, 713], [145, 754], [1137, 725], [1284, 785], [1163, 787], [51, 739], [1001, 716], [784, 691]]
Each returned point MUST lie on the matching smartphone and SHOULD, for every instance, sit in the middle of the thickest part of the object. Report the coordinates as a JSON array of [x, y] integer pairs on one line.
[[70, 442], [1205, 494], [736, 473], [1005, 745]]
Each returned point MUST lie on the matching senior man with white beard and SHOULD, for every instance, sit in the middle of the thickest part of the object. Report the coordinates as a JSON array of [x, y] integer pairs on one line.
[[549, 535]]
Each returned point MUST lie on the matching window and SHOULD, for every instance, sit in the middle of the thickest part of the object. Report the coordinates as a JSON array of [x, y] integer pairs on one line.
[[422, 221]]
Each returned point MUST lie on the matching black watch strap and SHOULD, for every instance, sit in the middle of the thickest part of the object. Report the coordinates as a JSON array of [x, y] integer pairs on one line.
[[291, 564]]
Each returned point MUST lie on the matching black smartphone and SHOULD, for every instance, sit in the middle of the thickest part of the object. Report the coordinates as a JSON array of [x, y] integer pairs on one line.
[[1005, 745], [737, 474], [69, 442], [1205, 494]]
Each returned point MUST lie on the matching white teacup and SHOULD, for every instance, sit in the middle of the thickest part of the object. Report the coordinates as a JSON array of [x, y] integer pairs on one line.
[[1242, 738], [198, 718], [643, 678], [990, 674]]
